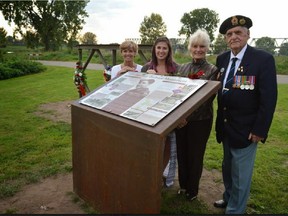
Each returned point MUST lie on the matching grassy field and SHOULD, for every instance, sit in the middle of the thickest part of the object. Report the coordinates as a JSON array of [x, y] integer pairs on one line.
[[269, 192], [72, 55], [32, 147]]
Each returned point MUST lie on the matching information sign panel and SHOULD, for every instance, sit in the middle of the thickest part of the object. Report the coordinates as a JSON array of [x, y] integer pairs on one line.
[[142, 97]]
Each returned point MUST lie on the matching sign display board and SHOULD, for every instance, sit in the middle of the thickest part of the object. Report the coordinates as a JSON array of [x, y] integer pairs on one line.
[[142, 97]]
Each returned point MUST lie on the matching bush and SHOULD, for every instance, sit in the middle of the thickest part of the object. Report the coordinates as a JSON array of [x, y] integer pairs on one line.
[[18, 68], [1, 56], [6, 72], [282, 65]]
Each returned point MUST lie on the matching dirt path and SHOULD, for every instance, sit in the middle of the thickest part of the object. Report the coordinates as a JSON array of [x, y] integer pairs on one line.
[[53, 195], [50, 196]]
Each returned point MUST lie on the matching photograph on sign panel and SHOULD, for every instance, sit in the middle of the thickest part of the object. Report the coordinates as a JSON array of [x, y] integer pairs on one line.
[[142, 97]]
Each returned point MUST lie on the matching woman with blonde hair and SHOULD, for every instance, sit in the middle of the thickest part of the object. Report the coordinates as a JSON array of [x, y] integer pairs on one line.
[[128, 50], [193, 133]]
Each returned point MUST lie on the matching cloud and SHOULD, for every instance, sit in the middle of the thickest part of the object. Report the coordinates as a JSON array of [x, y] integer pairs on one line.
[[121, 19], [115, 20], [110, 20]]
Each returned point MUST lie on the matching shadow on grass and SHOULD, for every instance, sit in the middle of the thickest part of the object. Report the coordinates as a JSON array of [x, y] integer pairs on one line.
[[172, 203]]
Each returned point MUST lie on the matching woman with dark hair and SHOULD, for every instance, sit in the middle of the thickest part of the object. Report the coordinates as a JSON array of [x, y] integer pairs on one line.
[[162, 60], [162, 64]]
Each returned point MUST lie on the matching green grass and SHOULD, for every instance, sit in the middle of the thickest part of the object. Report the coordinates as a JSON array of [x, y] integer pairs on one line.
[[174, 204], [84, 206], [269, 191], [32, 147]]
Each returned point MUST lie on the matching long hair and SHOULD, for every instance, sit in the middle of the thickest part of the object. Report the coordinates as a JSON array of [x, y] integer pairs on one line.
[[170, 64]]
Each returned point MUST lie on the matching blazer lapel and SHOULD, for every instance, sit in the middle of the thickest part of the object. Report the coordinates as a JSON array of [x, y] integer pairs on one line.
[[226, 60], [244, 65]]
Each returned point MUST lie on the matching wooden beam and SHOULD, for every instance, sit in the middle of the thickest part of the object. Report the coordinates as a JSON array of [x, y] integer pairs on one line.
[[101, 57], [88, 60], [143, 57], [80, 54], [114, 56]]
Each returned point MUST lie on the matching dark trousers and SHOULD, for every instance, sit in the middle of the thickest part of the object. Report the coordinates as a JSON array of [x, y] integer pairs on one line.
[[191, 144]]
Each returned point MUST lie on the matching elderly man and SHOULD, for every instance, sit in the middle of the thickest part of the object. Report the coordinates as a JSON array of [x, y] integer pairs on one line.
[[246, 104]]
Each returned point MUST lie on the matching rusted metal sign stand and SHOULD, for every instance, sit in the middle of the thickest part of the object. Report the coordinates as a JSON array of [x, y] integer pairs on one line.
[[117, 163]]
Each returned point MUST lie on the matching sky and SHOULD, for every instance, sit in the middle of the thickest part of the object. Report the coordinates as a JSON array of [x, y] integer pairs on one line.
[[113, 21]]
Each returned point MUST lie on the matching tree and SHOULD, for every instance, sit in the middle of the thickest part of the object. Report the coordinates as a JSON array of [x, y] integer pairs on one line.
[[267, 44], [219, 45], [151, 28], [89, 38], [3, 34], [31, 39], [10, 40], [3, 42], [199, 18], [283, 49], [52, 21]]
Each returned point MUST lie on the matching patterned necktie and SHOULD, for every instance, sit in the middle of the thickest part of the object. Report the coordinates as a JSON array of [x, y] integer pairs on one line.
[[230, 76]]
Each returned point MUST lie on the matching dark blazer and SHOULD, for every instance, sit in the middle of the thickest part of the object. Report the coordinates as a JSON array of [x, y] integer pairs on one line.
[[243, 111]]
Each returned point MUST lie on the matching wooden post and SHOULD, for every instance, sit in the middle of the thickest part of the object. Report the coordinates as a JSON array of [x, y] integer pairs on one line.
[[80, 55], [114, 56]]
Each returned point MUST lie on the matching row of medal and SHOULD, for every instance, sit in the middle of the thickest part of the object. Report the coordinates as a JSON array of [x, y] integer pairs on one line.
[[244, 82]]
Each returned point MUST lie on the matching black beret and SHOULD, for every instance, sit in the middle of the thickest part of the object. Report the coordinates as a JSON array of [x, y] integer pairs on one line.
[[237, 20]]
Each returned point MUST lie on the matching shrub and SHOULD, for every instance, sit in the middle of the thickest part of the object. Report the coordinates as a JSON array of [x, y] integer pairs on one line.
[[16, 68], [6, 72]]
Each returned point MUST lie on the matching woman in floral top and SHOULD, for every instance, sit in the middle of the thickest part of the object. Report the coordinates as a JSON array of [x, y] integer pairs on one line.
[[193, 133]]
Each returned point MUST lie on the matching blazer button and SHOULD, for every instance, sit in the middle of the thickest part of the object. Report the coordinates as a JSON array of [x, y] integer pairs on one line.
[[224, 108], [225, 120]]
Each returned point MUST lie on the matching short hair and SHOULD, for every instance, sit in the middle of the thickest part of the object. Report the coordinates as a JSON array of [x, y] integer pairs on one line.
[[128, 45], [199, 37]]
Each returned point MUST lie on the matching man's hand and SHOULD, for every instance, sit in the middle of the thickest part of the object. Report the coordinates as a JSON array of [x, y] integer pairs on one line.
[[254, 138]]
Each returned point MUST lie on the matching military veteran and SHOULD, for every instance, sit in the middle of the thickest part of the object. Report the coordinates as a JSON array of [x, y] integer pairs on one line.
[[246, 104]]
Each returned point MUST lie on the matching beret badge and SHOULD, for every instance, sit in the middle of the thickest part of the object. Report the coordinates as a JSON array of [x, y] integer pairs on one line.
[[242, 21], [234, 21]]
